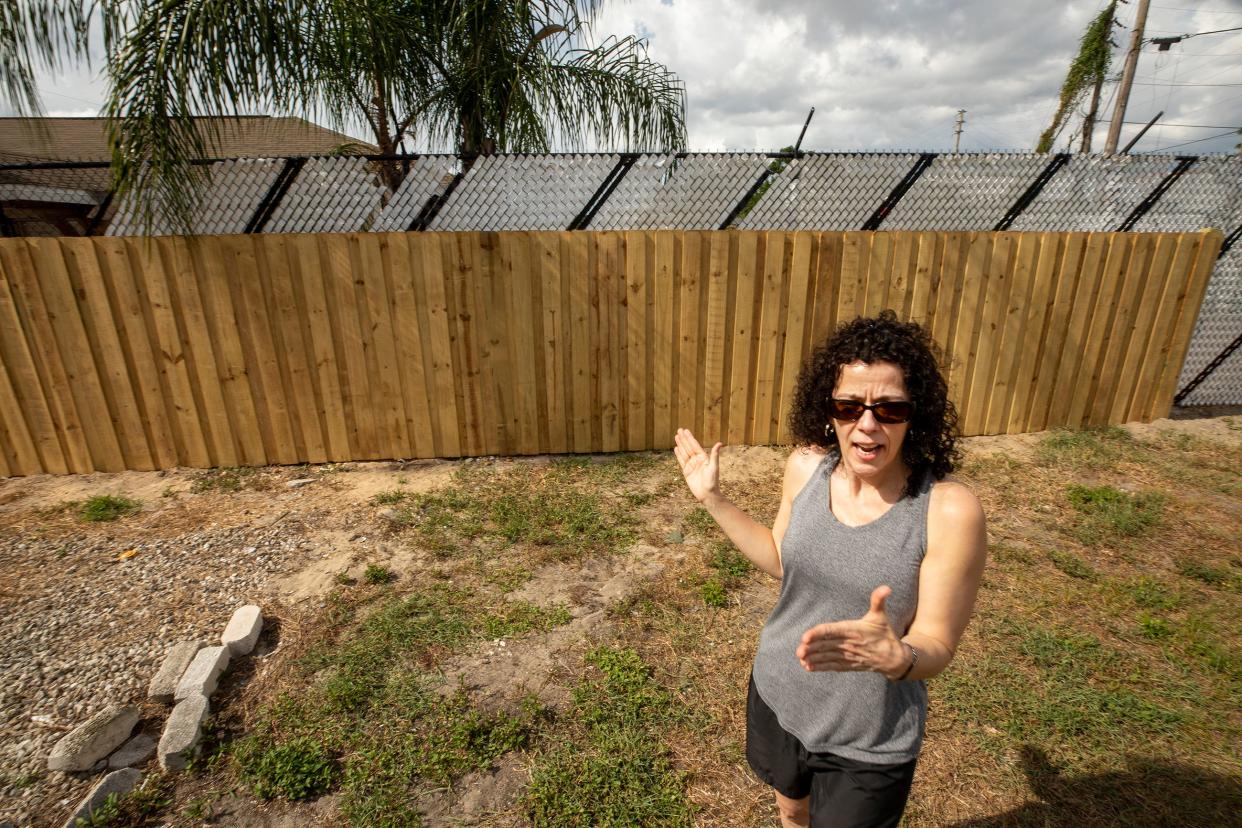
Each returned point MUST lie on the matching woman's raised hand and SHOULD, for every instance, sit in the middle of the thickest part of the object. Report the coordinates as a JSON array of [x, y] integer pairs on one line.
[[701, 470]]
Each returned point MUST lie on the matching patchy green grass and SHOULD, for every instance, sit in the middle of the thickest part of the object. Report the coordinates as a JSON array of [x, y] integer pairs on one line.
[[1108, 514], [1071, 565], [609, 765], [377, 574], [103, 508], [367, 715], [1096, 448]]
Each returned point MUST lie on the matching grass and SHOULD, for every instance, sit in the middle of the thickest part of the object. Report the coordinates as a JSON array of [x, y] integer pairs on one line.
[[103, 508], [1107, 514], [610, 766], [228, 480], [1100, 681], [367, 714]]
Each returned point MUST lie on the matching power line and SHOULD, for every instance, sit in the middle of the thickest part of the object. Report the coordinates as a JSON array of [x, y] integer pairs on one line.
[[1198, 141], [1188, 126], [1141, 83], [1197, 11]]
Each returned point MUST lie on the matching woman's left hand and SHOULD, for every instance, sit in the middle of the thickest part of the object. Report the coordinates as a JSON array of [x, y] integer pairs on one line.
[[868, 643]]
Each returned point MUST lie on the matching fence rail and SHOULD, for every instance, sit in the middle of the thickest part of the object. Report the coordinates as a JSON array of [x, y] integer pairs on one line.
[[207, 351]]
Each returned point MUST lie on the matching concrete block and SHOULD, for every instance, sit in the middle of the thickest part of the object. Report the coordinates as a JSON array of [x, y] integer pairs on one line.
[[94, 739], [182, 732], [166, 679], [243, 629], [203, 674], [133, 752], [119, 782]]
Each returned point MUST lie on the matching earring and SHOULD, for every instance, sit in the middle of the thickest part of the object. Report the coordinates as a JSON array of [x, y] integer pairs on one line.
[[828, 430]]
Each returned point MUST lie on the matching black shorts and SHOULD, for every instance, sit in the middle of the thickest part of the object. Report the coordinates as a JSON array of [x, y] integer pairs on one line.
[[845, 793]]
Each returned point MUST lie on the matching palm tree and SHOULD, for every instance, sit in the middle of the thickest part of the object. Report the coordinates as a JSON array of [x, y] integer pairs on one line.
[[474, 76]]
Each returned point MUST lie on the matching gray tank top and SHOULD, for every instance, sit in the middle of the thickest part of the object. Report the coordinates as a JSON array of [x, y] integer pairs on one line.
[[830, 570]]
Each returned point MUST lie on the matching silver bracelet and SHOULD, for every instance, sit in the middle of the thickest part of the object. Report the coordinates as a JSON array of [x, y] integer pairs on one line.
[[914, 659]]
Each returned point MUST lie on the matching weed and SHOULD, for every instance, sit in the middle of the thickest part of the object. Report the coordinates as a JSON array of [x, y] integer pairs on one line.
[[1210, 575], [509, 578], [1071, 565], [1154, 627], [225, 480], [714, 594], [376, 574], [389, 498], [345, 579], [700, 520], [108, 813], [168, 492], [297, 769], [1153, 595], [731, 564], [1107, 513], [102, 508], [638, 499], [613, 769]]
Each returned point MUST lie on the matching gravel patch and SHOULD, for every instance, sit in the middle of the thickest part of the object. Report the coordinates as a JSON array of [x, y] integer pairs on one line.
[[87, 625]]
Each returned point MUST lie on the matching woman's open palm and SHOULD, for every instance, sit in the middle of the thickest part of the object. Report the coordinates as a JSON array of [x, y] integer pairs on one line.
[[701, 469]]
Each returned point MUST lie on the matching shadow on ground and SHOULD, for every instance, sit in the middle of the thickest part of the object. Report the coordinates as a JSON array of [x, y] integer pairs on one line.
[[1148, 794]]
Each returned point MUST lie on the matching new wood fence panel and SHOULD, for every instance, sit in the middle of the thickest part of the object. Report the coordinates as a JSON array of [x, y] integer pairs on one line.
[[98, 317], [1188, 303], [38, 423], [205, 351]]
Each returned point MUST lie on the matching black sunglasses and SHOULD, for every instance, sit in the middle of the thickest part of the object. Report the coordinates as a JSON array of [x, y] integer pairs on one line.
[[890, 412]]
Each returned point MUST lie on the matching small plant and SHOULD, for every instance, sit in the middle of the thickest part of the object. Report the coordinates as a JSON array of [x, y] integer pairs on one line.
[[108, 813], [731, 564], [1209, 575], [345, 579], [1154, 627], [1153, 595], [714, 594], [700, 520], [389, 498], [169, 491], [298, 769], [1108, 513], [223, 480], [1071, 565], [377, 574], [101, 508]]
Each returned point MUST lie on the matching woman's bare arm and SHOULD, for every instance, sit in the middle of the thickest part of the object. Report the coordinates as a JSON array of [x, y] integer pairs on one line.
[[757, 542]]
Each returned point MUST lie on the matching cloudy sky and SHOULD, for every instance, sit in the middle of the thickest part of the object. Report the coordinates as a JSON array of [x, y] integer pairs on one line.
[[892, 74]]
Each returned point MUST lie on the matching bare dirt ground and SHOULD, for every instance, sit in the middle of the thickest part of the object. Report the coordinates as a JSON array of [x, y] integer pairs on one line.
[[86, 623]]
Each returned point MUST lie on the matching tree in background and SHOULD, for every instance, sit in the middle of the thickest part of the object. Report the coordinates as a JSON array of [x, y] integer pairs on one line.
[[475, 76], [1087, 72]]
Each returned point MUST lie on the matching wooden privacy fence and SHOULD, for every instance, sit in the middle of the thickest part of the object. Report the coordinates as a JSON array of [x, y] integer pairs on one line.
[[234, 350]]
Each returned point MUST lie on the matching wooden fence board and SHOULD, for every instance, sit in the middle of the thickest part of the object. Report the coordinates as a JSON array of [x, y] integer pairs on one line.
[[1189, 300], [637, 341], [98, 318], [28, 395], [148, 353], [716, 337]]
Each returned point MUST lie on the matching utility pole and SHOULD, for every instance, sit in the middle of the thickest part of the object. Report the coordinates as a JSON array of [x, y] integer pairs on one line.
[[1088, 125], [957, 130], [1127, 79]]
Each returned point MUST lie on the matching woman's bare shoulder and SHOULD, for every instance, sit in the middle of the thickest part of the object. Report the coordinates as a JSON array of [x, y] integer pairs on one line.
[[799, 467], [954, 502]]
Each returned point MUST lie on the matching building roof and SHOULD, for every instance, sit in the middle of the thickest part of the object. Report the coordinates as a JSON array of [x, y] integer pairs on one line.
[[28, 140]]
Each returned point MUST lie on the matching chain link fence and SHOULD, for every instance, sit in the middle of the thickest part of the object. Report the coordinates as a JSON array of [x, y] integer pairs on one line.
[[836, 191]]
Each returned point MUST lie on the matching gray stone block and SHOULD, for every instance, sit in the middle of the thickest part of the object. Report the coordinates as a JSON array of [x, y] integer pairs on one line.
[[181, 732], [94, 739], [203, 674], [133, 752], [166, 679], [243, 629], [119, 782]]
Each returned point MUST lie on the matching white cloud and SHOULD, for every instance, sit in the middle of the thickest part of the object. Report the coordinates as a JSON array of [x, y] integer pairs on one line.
[[891, 74]]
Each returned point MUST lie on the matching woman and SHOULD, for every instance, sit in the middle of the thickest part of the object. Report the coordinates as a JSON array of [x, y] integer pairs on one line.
[[879, 558]]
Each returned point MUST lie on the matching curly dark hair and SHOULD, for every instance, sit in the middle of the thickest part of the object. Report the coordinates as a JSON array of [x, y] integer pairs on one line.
[[930, 442]]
